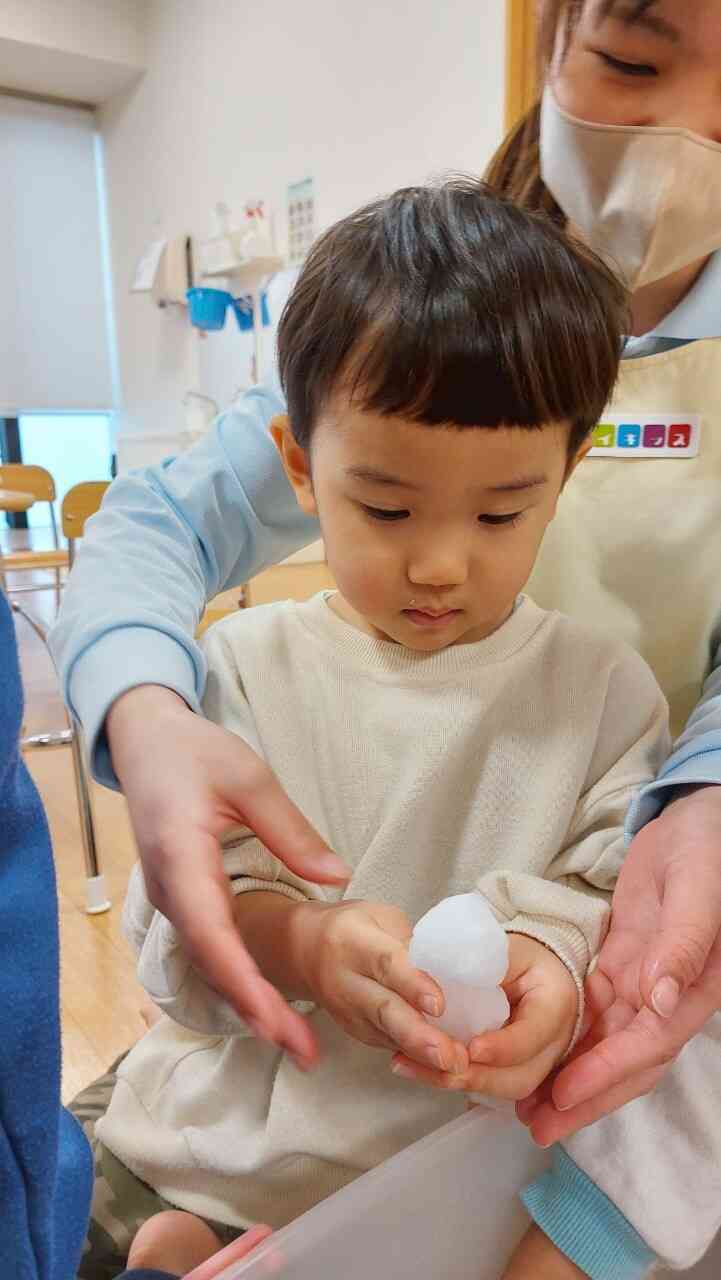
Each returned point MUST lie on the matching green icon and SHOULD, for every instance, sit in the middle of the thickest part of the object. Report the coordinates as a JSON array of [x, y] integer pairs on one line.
[[604, 435]]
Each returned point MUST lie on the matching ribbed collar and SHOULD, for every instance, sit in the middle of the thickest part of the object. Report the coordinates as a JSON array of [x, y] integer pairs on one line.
[[387, 660]]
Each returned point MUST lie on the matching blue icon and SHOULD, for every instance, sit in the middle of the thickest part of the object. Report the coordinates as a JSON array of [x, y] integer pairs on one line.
[[629, 435]]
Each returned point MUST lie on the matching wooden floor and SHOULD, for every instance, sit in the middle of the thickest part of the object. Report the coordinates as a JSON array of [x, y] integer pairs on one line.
[[100, 997]]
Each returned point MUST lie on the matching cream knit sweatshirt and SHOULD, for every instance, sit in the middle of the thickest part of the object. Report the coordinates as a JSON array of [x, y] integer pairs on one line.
[[505, 766]]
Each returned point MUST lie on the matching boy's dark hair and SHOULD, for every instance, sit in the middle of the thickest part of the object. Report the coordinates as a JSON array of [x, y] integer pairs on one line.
[[450, 305]]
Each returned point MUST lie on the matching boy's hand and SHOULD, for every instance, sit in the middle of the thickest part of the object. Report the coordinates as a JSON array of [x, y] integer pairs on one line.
[[537, 1258], [512, 1062], [353, 957]]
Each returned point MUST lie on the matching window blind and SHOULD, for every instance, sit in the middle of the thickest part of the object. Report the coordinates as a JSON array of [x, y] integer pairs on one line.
[[54, 344]]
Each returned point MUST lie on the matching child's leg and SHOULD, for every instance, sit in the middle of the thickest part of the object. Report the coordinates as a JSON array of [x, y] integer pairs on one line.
[[121, 1202], [173, 1242], [537, 1258]]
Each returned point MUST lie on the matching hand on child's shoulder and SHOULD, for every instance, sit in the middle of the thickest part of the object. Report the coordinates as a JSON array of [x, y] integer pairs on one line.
[[512, 1062]]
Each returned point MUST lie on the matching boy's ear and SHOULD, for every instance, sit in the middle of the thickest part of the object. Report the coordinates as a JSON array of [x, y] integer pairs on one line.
[[578, 457], [296, 462]]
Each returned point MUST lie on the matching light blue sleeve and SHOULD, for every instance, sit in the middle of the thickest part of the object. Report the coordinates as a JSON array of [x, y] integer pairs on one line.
[[584, 1224], [696, 757], [166, 540]]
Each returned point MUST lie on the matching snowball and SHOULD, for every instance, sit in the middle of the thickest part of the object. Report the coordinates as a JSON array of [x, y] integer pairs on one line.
[[461, 944]]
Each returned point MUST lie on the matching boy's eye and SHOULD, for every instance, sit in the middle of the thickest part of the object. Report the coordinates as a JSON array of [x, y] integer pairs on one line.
[[626, 68], [513, 518], [378, 513]]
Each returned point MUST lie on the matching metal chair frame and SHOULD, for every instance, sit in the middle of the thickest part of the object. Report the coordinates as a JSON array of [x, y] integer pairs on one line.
[[96, 897]]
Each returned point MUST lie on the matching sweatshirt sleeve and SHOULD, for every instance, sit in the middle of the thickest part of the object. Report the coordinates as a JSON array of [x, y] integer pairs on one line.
[[568, 908], [696, 757], [166, 540]]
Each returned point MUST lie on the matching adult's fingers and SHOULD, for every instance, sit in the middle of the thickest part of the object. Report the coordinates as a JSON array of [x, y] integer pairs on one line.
[[198, 901], [648, 1041], [690, 926], [549, 1125], [281, 826], [234, 1252]]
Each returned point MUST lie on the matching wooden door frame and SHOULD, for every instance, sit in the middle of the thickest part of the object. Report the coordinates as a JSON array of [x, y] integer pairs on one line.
[[521, 72]]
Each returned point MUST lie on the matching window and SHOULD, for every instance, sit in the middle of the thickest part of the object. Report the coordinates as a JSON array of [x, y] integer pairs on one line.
[[71, 446]]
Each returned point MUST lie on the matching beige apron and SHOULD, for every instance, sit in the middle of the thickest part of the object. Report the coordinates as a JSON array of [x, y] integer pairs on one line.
[[636, 543]]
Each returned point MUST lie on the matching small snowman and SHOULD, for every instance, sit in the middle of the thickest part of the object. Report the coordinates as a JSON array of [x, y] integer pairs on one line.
[[462, 946]]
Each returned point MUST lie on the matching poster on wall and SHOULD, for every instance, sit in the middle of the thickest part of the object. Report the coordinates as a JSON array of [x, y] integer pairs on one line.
[[301, 220]]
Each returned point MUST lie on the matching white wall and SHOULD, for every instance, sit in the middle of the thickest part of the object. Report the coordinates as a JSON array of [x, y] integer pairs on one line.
[[241, 99], [83, 50], [107, 29]]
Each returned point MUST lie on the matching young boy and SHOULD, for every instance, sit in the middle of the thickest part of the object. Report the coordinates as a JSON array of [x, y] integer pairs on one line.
[[445, 356]]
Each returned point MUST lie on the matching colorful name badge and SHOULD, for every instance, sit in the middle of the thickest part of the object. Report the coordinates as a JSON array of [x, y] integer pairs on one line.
[[661, 435]]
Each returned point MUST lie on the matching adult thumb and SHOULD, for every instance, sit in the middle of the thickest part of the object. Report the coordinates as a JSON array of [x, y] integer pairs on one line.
[[690, 924]]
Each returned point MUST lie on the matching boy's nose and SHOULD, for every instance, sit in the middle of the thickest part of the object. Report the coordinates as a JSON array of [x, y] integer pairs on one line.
[[438, 567]]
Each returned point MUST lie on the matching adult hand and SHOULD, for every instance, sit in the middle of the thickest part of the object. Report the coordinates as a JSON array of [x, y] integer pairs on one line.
[[658, 978], [187, 781]]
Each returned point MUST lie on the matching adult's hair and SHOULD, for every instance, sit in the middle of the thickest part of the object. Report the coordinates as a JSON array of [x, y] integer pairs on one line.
[[450, 305], [515, 169]]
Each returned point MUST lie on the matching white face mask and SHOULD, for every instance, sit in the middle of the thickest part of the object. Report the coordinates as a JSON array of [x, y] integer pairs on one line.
[[647, 199]]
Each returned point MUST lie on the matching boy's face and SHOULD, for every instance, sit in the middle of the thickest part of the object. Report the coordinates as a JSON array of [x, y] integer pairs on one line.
[[430, 532]]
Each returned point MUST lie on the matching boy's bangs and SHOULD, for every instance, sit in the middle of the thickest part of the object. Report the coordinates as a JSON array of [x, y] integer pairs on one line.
[[449, 362], [449, 306]]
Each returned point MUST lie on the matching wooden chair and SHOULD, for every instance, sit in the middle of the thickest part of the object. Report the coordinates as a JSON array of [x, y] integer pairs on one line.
[[21, 479], [79, 504]]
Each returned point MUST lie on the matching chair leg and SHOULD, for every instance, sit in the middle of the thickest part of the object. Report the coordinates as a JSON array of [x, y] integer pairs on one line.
[[56, 542], [96, 897]]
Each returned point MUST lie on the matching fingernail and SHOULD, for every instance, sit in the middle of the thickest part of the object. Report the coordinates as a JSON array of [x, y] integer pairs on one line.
[[480, 1055], [400, 1069], [665, 997], [328, 864], [435, 1057], [431, 1005]]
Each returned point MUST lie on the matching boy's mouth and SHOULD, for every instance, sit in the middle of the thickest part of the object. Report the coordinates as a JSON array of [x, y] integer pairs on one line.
[[431, 617]]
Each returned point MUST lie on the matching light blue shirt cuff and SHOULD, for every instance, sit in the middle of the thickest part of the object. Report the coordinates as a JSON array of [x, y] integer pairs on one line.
[[120, 660], [584, 1224], [698, 763]]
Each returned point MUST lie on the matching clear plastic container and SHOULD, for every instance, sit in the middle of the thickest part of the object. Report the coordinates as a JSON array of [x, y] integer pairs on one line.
[[446, 1208]]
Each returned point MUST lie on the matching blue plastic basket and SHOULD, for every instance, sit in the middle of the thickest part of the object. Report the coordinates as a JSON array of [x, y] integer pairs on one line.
[[208, 307], [243, 308]]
